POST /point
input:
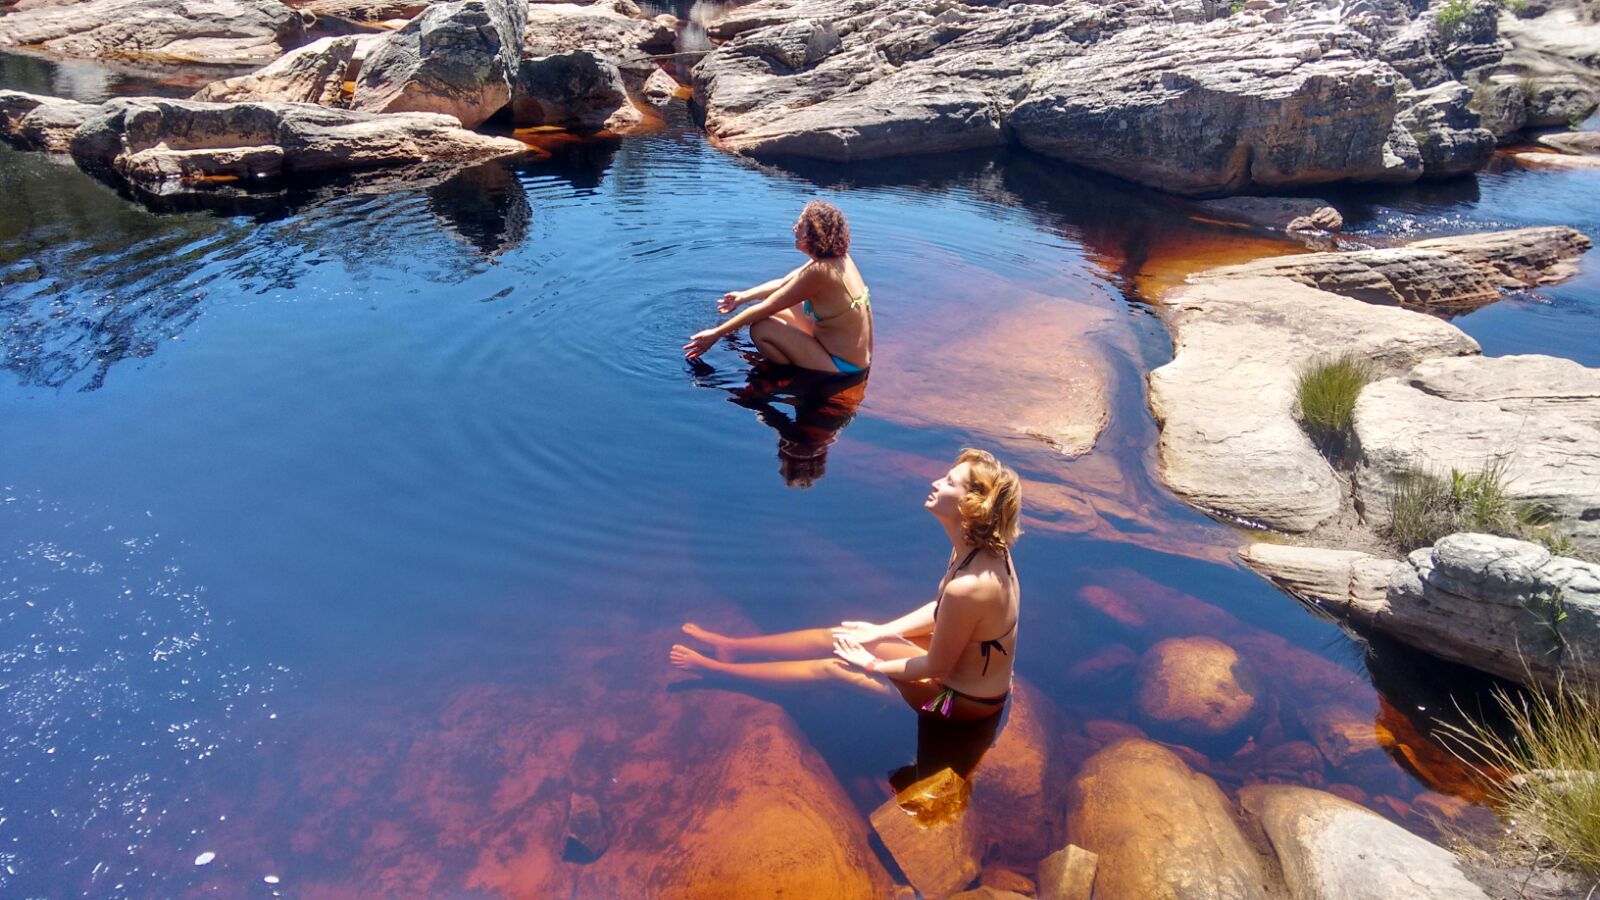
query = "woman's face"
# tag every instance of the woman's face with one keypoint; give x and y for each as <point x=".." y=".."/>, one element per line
<point x="799" y="242"/>
<point x="944" y="501"/>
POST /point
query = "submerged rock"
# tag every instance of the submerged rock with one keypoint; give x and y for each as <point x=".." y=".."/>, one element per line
<point x="1160" y="830"/>
<point x="458" y="58"/>
<point x="1196" y="687"/>
<point x="1018" y="788"/>
<point x="931" y="834"/>
<point x="1279" y="213"/>
<point x="1068" y="874"/>
<point x="216" y="32"/>
<point x="148" y="139"/>
<point x="1332" y="849"/>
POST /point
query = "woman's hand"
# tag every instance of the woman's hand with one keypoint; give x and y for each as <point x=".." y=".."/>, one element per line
<point x="699" y="343"/>
<point x="860" y="632"/>
<point x="852" y="652"/>
<point x="730" y="302"/>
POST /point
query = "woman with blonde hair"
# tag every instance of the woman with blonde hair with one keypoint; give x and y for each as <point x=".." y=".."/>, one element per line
<point x="950" y="658"/>
<point x="832" y="332"/>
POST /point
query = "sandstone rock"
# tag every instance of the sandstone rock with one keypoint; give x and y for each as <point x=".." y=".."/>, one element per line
<point x="217" y="32"/>
<point x="1556" y="161"/>
<point x="361" y="10"/>
<point x="1459" y="272"/>
<point x="1246" y="337"/>
<point x="1067" y="874"/>
<point x="148" y="137"/>
<point x="988" y="893"/>
<point x="1554" y="102"/>
<point x="1104" y="665"/>
<point x="1159" y="829"/>
<point x="660" y="87"/>
<point x="1017" y="790"/>
<point x="1004" y="880"/>
<point x="315" y="73"/>
<point x="1325" y="219"/>
<point x="1446" y="132"/>
<point x="1536" y="416"/>
<point x="37" y="122"/>
<point x="1331" y="849"/>
<point x="928" y="831"/>
<point x="556" y="28"/>
<point x="572" y="90"/>
<point x="1341" y="731"/>
<point x="1349" y="583"/>
<point x="458" y="58"/>
<point x="1502" y="107"/>
<point x="587" y="837"/>
<point x="1196" y="686"/>
<point x="1276" y="212"/>
<point x="1577" y="142"/>
<point x="1491" y="602"/>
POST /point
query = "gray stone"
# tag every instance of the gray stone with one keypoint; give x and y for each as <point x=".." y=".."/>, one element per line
<point x="38" y="122"/>
<point x="193" y="31"/>
<point x="458" y="58"/>
<point x="574" y="90"/>
<point x="1272" y="212"/>
<point x="315" y="73"/>
<point x="1577" y="142"/>
<point x="1067" y="874"/>
<point x="1332" y="849"/>
<point x="1348" y="583"/>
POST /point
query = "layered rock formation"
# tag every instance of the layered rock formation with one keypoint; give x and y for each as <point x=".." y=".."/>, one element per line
<point x="1246" y="331"/>
<point x="37" y="122"/>
<point x="1504" y="606"/>
<point x="456" y="58"/>
<point x="151" y="140"/>
<point x="194" y="31"/>
<point x="1152" y="92"/>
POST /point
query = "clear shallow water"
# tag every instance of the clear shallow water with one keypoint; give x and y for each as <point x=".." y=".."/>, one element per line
<point x="306" y="496"/>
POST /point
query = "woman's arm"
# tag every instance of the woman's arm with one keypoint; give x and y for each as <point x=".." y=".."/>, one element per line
<point x="959" y="617"/>
<point x="764" y="290"/>
<point x="790" y="293"/>
<point x="913" y="624"/>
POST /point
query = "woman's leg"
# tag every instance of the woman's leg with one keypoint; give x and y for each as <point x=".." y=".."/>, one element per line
<point x="802" y="671"/>
<point x="805" y="644"/>
<point x="789" y="345"/>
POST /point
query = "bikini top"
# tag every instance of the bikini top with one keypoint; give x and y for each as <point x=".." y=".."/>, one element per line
<point x="862" y="302"/>
<point x="993" y="643"/>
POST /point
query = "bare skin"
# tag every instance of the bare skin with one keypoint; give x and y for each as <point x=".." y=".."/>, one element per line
<point x="783" y="334"/>
<point x="917" y="655"/>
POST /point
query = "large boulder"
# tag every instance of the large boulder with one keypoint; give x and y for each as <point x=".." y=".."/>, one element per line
<point x="1161" y="831"/>
<point x="1537" y="418"/>
<point x="1018" y="787"/>
<point x="315" y="73"/>
<point x="458" y="58"/>
<point x="218" y="32"/>
<point x="1332" y="849"/>
<point x="615" y="31"/>
<point x="1225" y="403"/>
<point x="1196" y="687"/>
<point x="580" y="89"/>
<point x="932" y="834"/>
<point x="155" y="139"/>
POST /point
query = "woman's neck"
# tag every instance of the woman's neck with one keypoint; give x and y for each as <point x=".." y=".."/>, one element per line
<point x="959" y="544"/>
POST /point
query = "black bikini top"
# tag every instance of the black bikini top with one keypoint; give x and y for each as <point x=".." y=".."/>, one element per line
<point x="993" y="643"/>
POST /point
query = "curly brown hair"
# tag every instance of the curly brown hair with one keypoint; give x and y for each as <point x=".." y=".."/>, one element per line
<point x="822" y="231"/>
<point x="993" y="502"/>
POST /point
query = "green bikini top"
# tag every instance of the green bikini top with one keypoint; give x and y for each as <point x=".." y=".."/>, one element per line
<point x="862" y="302"/>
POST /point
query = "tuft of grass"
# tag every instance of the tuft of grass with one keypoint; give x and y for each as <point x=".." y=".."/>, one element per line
<point x="1450" y="16"/>
<point x="1425" y="506"/>
<point x="1530" y="88"/>
<point x="1544" y="769"/>
<point x="1325" y="396"/>
<point x="1518" y="8"/>
<point x="1575" y="121"/>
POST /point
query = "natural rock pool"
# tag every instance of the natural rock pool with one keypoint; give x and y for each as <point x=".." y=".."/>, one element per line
<point x="343" y="533"/>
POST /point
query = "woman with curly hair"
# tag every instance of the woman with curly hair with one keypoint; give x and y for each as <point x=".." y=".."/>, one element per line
<point x="832" y="332"/>
<point x="951" y="658"/>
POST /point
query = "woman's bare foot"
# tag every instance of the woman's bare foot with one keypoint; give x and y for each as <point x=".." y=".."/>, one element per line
<point x="684" y="658"/>
<point x="721" y="645"/>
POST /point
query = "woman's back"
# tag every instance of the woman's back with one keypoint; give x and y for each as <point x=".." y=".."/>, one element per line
<point x="841" y="314"/>
<point x="985" y="665"/>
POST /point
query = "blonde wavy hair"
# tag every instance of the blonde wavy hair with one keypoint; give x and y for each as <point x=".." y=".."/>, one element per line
<point x="991" y="508"/>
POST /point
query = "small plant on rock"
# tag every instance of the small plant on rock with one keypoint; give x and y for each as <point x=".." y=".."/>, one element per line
<point x="1545" y="769"/>
<point x="1450" y="16"/>
<point x="1425" y="506"/>
<point x="1325" y="397"/>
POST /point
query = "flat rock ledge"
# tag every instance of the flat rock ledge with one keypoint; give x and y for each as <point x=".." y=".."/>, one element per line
<point x="1179" y="96"/>
<point x="159" y="144"/>
<point x="1230" y="443"/>
<point x="214" y="32"/>
<point x="1504" y="606"/>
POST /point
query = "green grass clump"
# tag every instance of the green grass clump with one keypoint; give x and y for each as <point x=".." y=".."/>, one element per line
<point x="1326" y="395"/>
<point x="1450" y="16"/>
<point x="1545" y="770"/>
<point x="1425" y="506"/>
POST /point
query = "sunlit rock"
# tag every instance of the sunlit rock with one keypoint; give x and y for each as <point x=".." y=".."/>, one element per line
<point x="459" y="58"/>
<point x="931" y="834"/>
<point x="1576" y="142"/>
<point x="215" y="32"/>
<point x="1348" y="582"/>
<point x="1004" y="880"/>
<point x="37" y="122"/>
<point x="1068" y="874"/>
<point x="1159" y="829"/>
<point x="315" y="73"/>
<point x="1196" y="686"/>
<point x="362" y="10"/>
<point x="1331" y="849"/>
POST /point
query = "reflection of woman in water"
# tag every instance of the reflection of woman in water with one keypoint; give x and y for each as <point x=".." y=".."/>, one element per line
<point x="950" y="658"/>
<point x="832" y="331"/>
<point x="823" y="405"/>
